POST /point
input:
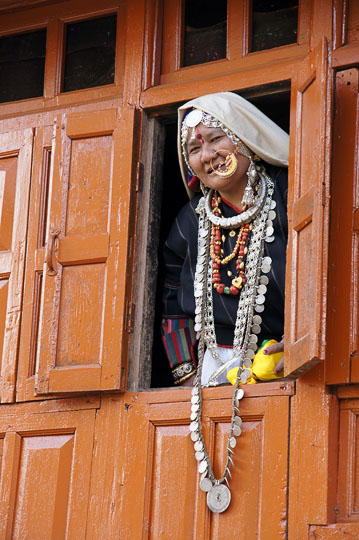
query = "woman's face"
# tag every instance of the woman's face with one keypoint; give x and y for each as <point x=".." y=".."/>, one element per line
<point x="207" y="148"/>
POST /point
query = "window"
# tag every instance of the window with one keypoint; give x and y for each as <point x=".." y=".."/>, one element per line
<point x="167" y="199"/>
<point x="274" y="23"/>
<point x="22" y="66"/>
<point x="90" y="53"/>
<point x="205" y="33"/>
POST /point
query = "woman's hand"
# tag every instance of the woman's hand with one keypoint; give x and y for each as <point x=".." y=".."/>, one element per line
<point x="276" y="348"/>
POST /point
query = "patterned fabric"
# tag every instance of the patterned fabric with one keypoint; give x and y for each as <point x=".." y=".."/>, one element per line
<point x="178" y="338"/>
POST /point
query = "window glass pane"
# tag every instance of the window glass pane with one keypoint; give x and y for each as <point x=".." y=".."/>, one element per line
<point x="205" y="35"/>
<point x="274" y="23"/>
<point x="90" y="53"/>
<point x="22" y="66"/>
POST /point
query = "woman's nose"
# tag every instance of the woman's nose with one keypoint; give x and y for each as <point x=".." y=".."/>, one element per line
<point x="207" y="152"/>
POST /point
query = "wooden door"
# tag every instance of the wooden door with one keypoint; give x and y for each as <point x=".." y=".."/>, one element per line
<point x="161" y="479"/>
<point x="308" y="209"/>
<point x="15" y="173"/>
<point x="45" y="469"/>
<point x="82" y="338"/>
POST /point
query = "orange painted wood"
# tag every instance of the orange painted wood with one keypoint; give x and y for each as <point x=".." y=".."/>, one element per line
<point x="313" y="455"/>
<point x="152" y="43"/>
<point x="225" y="67"/>
<point x="238" y="30"/>
<point x="83" y="304"/>
<point x="107" y="472"/>
<point x="161" y="478"/>
<point x="308" y="216"/>
<point x="339" y="23"/>
<point x="172" y="36"/>
<point x="45" y="474"/>
<point x="9" y="480"/>
<point x="77" y="249"/>
<point x="221" y="80"/>
<point x="338" y="531"/>
<point x="348" y="467"/>
<point x="34" y="263"/>
<point x="343" y="305"/>
<point x="53" y="16"/>
<point x="15" y="171"/>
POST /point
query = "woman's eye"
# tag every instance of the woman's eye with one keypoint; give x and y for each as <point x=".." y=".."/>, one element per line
<point x="217" y="138"/>
<point x="193" y="150"/>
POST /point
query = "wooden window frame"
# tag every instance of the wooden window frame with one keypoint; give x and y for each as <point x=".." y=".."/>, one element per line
<point x="147" y="235"/>
<point x="54" y="18"/>
<point x="170" y="30"/>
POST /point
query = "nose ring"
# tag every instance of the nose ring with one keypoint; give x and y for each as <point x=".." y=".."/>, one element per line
<point x="227" y="167"/>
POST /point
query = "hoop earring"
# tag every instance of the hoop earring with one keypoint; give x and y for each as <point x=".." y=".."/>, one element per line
<point x="230" y="165"/>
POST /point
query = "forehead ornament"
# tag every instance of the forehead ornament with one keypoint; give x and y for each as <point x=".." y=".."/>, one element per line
<point x="193" y="118"/>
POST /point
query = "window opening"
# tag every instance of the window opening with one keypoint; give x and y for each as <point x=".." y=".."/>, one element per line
<point x="205" y="33"/>
<point x="90" y="53"/>
<point x="22" y="66"/>
<point x="274" y="101"/>
<point x="274" y="23"/>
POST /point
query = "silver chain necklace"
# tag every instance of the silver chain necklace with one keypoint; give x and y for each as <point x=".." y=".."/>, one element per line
<point x="247" y="327"/>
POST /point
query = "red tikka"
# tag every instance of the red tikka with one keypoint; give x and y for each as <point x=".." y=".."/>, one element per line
<point x="216" y="252"/>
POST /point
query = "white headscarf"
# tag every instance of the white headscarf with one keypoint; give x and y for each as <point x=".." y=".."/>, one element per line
<point x="254" y="128"/>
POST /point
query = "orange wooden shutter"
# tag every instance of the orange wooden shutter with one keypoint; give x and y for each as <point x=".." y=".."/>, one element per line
<point x="36" y="237"/>
<point x="82" y="344"/>
<point x="15" y="172"/>
<point x="308" y="216"/>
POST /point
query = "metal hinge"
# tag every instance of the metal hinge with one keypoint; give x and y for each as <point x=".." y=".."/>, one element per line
<point x="130" y="316"/>
<point x="139" y="176"/>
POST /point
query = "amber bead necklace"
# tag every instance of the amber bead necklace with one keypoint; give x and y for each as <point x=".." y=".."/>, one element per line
<point x="240" y="250"/>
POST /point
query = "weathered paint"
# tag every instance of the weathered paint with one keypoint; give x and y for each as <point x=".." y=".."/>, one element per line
<point x="120" y="465"/>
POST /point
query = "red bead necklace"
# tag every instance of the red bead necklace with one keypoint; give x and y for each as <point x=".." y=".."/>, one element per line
<point x="216" y="251"/>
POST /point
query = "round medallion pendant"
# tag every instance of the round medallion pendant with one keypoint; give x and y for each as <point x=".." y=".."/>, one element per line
<point x="218" y="498"/>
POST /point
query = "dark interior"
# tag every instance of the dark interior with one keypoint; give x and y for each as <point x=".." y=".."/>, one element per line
<point x="274" y="101"/>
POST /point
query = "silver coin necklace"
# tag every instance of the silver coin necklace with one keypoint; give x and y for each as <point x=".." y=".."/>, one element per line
<point x="247" y="327"/>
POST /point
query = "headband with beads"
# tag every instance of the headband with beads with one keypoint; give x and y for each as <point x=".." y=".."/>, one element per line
<point x="195" y="117"/>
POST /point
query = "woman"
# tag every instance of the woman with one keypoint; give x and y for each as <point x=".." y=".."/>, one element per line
<point x="210" y="129"/>
<point x="225" y="258"/>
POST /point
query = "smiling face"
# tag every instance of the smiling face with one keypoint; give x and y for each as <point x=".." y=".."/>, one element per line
<point x="207" y="148"/>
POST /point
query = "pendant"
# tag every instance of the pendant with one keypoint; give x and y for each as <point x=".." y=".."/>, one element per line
<point x="218" y="498"/>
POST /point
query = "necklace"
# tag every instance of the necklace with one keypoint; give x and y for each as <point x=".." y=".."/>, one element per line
<point x="215" y="250"/>
<point x="247" y="327"/>
<point x="240" y="219"/>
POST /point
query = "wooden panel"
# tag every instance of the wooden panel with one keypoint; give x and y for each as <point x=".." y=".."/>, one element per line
<point x="338" y="531"/>
<point x="313" y="455"/>
<point x="15" y="171"/>
<point x="89" y="225"/>
<point x="36" y="238"/>
<point x="352" y="21"/>
<point x="343" y="304"/>
<point x="308" y="216"/>
<point x="238" y="28"/>
<point x="160" y="460"/>
<point x="348" y="467"/>
<point x="106" y="497"/>
<point x="45" y="475"/>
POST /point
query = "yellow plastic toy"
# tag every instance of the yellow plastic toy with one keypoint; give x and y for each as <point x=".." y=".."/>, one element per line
<point x="262" y="367"/>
